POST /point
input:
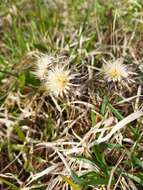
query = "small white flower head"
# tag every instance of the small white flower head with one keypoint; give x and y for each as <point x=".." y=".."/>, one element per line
<point x="58" y="81"/>
<point x="116" y="72"/>
<point x="42" y="65"/>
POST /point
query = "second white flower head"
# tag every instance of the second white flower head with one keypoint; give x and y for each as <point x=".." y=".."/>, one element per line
<point x="116" y="71"/>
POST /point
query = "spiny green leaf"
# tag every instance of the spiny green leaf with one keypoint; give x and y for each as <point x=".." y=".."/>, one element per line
<point x="91" y="178"/>
<point x="93" y="118"/>
<point x="99" y="159"/>
<point x="71" y="183"/>
<point x="9" y="184"/>
<point x="104" y="105"/>
<point x="20" y="133"/>
<point x="115" y="112"/>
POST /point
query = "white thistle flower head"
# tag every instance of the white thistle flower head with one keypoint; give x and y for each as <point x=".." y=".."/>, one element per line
<point x="58" y="81"/>
<point x="116" y="71"/>
<point x="42" y="65"/>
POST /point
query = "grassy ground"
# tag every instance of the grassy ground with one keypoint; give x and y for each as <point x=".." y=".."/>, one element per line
<point x="92" y="139"/>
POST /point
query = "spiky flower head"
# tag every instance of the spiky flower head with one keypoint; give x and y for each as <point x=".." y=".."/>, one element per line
<point x="58" y="81"/>
<point x="42" y="65"/>
<point x="116" y="71"/>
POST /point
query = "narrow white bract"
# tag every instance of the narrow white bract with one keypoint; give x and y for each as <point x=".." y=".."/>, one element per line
<point x="42" y="66"/>
<point x="58" y="81"/>
<point x="116" y="71"/>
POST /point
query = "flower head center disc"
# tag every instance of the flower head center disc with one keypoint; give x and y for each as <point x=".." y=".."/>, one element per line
<point x="62" y="81"/>
<point x="114" y="73"/>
